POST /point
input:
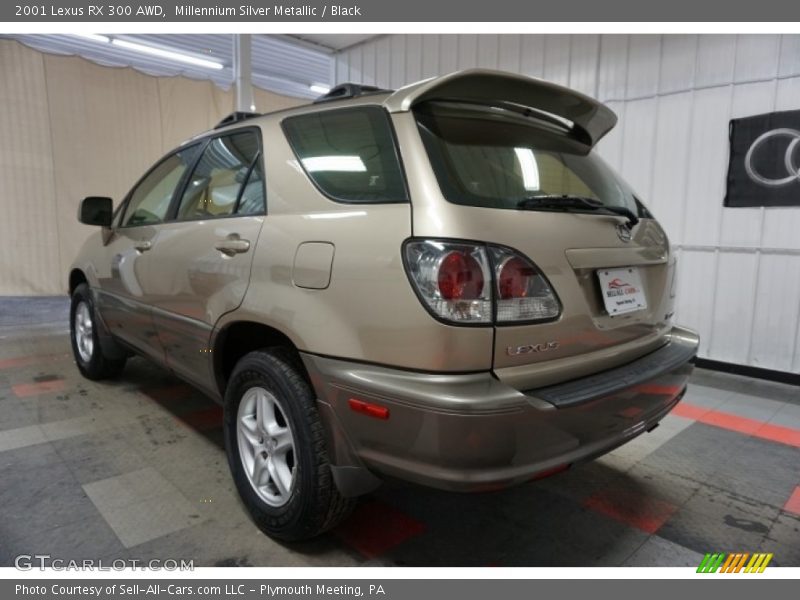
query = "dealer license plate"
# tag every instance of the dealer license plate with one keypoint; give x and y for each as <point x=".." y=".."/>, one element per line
<point x="622" y="290"/>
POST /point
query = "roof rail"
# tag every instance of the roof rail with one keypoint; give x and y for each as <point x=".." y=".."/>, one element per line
<point x="344" y="91"/>
<point x="236" y="117"/>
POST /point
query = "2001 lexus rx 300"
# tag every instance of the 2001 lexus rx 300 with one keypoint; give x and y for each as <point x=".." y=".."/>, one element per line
<point x="443" y="284"/>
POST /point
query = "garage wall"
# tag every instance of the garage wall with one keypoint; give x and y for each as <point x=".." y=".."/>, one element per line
<point x="739" y="268"/>
<point x="71" y="128"/>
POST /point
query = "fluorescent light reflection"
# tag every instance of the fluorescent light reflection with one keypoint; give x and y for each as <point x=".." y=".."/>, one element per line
<point x="340" y="164"/>
<point x="168" y="54"/>
<point x="530" y="170"/>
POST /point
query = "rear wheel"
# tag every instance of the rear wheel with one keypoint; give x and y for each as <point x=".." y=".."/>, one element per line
<point x="92" y="362"/>
<point x="276" y="448"/>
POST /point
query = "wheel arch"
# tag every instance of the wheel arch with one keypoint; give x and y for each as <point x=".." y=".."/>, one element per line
<point x="237" y="338"/>
<point x="76" y="277"/>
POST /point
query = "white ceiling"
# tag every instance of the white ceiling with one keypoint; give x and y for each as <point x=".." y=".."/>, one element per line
<point x="282" y="64"/>
<point x="334" y="41"/>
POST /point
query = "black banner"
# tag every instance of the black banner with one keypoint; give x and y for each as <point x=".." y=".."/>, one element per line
<point x="764" y="167"/>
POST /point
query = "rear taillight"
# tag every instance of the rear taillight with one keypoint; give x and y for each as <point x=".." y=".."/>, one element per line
<point x="523" y="293"/>
<point x="477" y="284"/>
<point x="453" y="279"/>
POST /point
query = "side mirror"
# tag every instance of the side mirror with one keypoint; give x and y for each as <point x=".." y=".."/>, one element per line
<point x="96" y="210"/>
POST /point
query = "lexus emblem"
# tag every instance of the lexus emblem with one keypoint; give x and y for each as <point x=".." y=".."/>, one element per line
<point x="792" y="170"/>
<point x="624" y="233"/>
<point x="532" y="348"/>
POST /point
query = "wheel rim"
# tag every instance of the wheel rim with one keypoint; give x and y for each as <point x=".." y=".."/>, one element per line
<point x="266" y="446"/>
<point x="84" y="332"/>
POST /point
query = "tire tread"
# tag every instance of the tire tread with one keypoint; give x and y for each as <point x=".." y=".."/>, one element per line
<point x="327" y="507"/>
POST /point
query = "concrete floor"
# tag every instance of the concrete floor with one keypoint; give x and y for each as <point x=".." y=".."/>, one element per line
<point x="135" y="468"/>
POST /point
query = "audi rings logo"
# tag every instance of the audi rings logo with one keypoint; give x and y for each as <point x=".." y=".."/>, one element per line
<point x="790" y="163"/>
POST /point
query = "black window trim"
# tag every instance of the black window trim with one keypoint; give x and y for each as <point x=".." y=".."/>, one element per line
<point x="176" y="200"/>
<point x="126" y="201"/>
<point x="246" y="182"/>
<point x="395" y="147"/>
<point x="201" y="143"/>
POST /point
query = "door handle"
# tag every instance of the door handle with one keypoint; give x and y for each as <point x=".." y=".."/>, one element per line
<point x="230" y="247"/>
<point x="143" y="246"/>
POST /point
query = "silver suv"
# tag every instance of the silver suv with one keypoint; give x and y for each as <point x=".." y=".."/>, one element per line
<point x="443" y="284"/>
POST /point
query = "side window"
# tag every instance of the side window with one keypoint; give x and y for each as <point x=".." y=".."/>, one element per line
<point x="150" y="201"/>
<point x="350" y="154"/>
<point x="226" y="181"/>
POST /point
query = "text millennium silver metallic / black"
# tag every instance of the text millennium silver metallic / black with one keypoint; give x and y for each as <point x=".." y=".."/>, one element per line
<point x="276" y="10"/>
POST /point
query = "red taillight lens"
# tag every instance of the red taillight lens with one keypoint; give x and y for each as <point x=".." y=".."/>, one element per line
<point x="453" y="279"/>
<point x="476" y="283"/>
<point x="460" y="277"/>
<point x="522" y="292"/>
<point x="514" y="279"/>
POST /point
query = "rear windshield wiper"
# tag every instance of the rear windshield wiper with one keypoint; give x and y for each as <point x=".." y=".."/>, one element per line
<point x="557" y="202"/>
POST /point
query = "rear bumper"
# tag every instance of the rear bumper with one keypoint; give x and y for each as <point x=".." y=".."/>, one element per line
<point x="471" y="432"/>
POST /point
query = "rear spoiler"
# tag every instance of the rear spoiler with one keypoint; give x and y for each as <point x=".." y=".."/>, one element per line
<point x="590" y="119"/>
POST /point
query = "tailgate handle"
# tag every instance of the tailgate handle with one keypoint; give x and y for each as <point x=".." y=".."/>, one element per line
<point x="232" y="246"/>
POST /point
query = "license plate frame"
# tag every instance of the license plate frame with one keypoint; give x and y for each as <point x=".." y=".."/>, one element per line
<point x="622" y="290"/>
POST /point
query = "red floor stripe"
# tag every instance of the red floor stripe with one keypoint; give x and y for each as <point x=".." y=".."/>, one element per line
<point x="689" y="411"/>
<point x="19" y="361"/>
<point x="634" y="509"/>
<point x="24" y="390"/>
<point x="793" y="503"/>
<point x="375" y="528"/>
<point x="779" y="433"/>
<point x="25" y="361"/>
<point x="753" y="427"/>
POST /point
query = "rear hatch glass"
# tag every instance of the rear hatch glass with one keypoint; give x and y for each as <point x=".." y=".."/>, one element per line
<point x="493" y="158"/>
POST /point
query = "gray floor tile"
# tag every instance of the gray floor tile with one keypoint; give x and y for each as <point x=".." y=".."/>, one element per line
<point x="638" y="448"/>
<point x="751" y="468"/>
<point x="87" y="539"/>
<point x="15" y="414"/>
<point x="715" y="521"/>
<point x="745" y="385"/>
<point x="11" y="439"/>
<point x="39" y="493"/>
<point x="656" y="483"/>
<point x="658" y="552"/>
<point x="785" y="530"/>
<point x="785" y="555"/>
<point x="127" y="489"/>
<point x="100" y="455"/>
<point x="787" y="416"/>
<point x="751" y="407"/>
<point x="149" y="519"/>
<point x="705" y="396"/>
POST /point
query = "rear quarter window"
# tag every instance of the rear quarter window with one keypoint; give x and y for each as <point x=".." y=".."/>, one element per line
<point x="350" y="154"/>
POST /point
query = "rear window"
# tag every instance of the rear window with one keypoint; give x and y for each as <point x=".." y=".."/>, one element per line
<point x="350" y="154"/>
<point x="487" y="159"/>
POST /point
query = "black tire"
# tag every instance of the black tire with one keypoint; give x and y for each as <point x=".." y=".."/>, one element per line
<point x="96" y="365"/>
<point x="314" y="504"/>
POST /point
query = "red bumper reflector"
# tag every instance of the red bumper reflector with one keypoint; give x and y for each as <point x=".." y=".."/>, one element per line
<point x="366" y="408"/>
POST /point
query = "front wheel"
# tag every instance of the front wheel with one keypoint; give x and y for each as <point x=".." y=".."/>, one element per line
<point x="276" y="449"/>
<point x="84" y="335"/>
